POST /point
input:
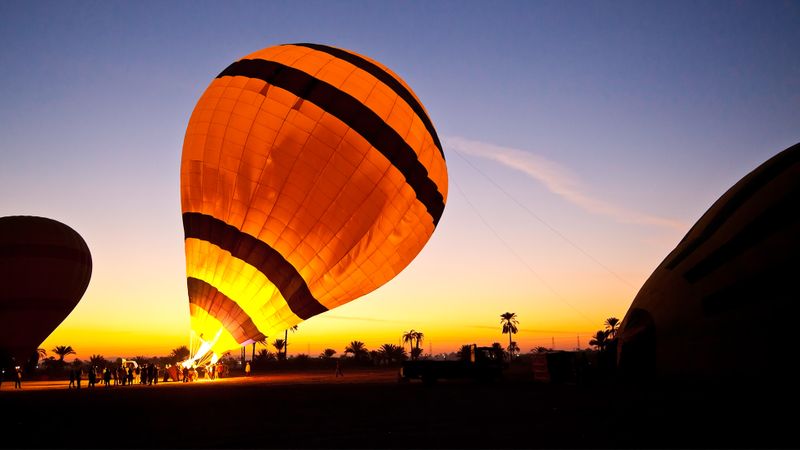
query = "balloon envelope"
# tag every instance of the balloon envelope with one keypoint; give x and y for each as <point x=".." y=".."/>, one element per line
<point x="310" y="176"/>
<point x="45" y="267"/>
<point x="724" y="303"/>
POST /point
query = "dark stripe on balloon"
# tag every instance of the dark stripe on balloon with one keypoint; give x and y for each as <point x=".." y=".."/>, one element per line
<point x="222" y="308"/>
<point x="258" y="254"/>
<point x="45" y="251"/>
<point x="353" y="113"/>
<point x="777" y="218"/>
<point x="749" y="186"/>
<point x="385" y="78"/>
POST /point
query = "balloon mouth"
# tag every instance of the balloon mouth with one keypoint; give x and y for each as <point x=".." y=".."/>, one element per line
<point x="204" y="353"/>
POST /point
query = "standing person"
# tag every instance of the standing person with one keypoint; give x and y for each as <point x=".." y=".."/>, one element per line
<point x="338" y="369"/>
<point x="18" y="379"/>
<point x="107" y="377"/>
<point x="71" y="378"/>
<point x="92" y="376"/>
<point x="247" y="369"/>
<point x="78" y="375"/>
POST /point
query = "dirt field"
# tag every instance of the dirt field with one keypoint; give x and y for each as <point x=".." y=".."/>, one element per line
<point x="369" y="409"/>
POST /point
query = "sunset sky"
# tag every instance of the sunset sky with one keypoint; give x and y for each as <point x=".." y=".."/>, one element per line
<point x="582" y="139"/>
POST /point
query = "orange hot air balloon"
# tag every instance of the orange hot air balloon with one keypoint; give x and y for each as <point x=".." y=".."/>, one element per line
<point x="310" y="176"/>
<point x="45" y="267"/>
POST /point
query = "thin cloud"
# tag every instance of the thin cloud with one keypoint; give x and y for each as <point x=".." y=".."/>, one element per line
<point x="559" y="180"/>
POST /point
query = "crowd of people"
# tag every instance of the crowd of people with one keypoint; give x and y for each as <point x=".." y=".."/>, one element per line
<point x="128" y="374"/>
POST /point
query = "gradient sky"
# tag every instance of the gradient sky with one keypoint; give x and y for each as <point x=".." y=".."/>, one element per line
<point x="583" y="139"/>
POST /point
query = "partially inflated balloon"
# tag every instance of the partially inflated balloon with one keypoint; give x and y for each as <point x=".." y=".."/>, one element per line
<point x="310" y="176"/>
<point x="723" y="305"/>
<point x="45" y="268"/>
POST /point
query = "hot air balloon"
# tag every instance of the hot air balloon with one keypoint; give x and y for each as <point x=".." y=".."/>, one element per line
<point x="310" y="176"/>
<point x="45" y="267"/>
<point x="724" y="303"/>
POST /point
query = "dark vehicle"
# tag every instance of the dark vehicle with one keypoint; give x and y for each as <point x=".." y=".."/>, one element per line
<point x="480" y="364"/>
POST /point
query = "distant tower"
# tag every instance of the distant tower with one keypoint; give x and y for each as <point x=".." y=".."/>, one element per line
<point x="553" y="342"/>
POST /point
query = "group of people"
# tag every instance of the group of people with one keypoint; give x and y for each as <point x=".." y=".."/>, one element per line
<point x="122" y="375"/>
<point x="208" y="371"/>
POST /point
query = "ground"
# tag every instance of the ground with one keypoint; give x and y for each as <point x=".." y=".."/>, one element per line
<point x="370" y="409"/>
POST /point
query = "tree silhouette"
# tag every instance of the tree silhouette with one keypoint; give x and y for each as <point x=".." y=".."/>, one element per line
<point x="179" y="354"/>
<point x="358" y="349"/>
<point x="392" y="353"/>
<point x="279" y="344"/>
<point x="286" y="340"/>
<point x="419" y="336"/>
<point x="62" y="351"/>
<point x="408" y="338"/>
<point x="509" y="322"/>
<point x="599" y="339"/>
<point x="327" y="353"/>
<point x="497" y="349"/>
<point x="97" y="361"/>
<point x="611" y="326"/>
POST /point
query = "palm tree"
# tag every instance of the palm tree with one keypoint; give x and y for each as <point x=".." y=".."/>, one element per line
<point x="419" y="336"/>
<point x="279" y="344"/>
<point x="391" y="353"/>
<point x="179" y="354"/>
<point x="286" y="340"/>
<point x="41" y="353"/>
<point x="62" y="351"/>
<point x="408" y="338"/>
<point x="497" y="350"/>
<point x="611" y="325"/>
<point x="97" y="361"/>
<point x="416" y="353"/>
<point x="358" y="349"/>
<point x="264" y="355"/>
<point x="509" y="322"/>
<point x="599" y="340"/>
<point x="262" y="342"/>
<point x="327" y="353"/>
<point x="513" y="349"/>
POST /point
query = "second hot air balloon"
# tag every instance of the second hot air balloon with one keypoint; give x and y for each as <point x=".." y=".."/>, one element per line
<point x="45" y="268"/>
<point x="310" y="176"/>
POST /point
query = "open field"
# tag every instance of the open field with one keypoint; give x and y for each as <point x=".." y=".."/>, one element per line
<point x="369" y="409"/>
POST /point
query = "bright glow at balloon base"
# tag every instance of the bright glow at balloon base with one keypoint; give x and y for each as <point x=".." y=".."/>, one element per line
<point x="204" y="354"/>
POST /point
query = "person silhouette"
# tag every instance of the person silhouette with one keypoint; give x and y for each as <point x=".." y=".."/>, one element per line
<point x="338" y="369"/>
<point x="247" y="369"/>
<point x="18" y="379"/>
<point x="71" y="378"/>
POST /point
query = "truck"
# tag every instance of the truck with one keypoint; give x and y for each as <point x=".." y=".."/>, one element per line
<point x="479" y="364"/>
